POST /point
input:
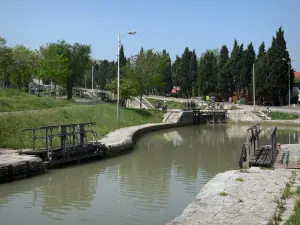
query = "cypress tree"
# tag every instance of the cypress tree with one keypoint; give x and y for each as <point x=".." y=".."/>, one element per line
<point x="167" y="72"/>
<point x="185" y="70"/>
<point x="223" y="76"/>
<point x="277" y="80"/>
<point x="193" y="75"/>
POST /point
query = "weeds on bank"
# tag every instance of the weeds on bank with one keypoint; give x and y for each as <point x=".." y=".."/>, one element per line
<point x="223" y="193"/>
<point x="239" y="179"/>
<point x="287" y="193"/>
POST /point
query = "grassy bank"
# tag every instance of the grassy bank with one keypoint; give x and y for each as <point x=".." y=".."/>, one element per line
<point x="282" y="115"/>
<point x="14" y="100"/>
<point x="170" y="104"/>
<point x="11" y="124"/>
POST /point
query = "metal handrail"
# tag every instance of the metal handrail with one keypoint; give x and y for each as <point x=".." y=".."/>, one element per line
<point x="68" y="133"/>
<point x="274" y="145"/>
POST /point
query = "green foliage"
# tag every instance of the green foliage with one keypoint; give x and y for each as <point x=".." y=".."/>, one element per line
<point x="54" y="66"/>
<point x="145" y="71"/>
<point x="6" y="63"/>
<point x="11" y="124"/>
<point x="79" y="60"/>
<point x="23" y="62"/>
<point x="127" y="88"/>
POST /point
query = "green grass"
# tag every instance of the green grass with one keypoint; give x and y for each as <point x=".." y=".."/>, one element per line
<point x="295" y="218"/>
<point x="11" y="124"/>
<point x="14" y="100"/>
<point x="170" y="104"/>
<point x="282" y="115"/>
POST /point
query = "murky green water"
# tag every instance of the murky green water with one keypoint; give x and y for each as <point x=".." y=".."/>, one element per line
<point x="150" y="185"/>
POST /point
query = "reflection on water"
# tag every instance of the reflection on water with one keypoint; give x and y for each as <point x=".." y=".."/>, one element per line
<point x="150" y="185"/>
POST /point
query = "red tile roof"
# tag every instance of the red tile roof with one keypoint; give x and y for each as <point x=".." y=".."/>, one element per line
<point x="297" y="74"/>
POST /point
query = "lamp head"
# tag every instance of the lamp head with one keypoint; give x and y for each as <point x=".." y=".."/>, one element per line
<point x="284" y="59"/>
<point x="133" y="32"/>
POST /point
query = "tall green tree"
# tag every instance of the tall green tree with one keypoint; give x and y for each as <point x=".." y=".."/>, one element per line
<point x="261" y="72"/>
<point x="167" y="75"/>
<point x="7" y="63"/>
<point x="236" y="65"/>
<point x="22" y="74"/>
<point x="185" y="73"/>
<point x="145" y="72"/>
<point x="277" y="80"/>
<point x="248" y="60"/>
<point x="208" y="72"/>
<point x="123" y="59"/>
<point x="176" y="71"/>
<point x="54" y="65"/>
<point x="223" y="77"/>
<point x="79" y="59"/>
<point x="193" y="74"/>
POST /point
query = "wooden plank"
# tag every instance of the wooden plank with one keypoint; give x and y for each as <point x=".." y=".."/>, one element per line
<point x="262" y="157"/>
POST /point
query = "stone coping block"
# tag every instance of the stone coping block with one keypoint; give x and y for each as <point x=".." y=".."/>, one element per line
<point x="123" y="139"/>
<point x="14" y="166"/>
<point x="236" y="197"/>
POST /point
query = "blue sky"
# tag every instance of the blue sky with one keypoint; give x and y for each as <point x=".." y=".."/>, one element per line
<point x="172" y="25"/>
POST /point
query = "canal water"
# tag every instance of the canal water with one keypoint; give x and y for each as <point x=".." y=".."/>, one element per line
<point x="150" y="185"/>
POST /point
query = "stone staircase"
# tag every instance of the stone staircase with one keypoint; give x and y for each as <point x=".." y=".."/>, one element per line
<point x="172" y="117"/>
<point x="260" y="114"/>
<point x="145" y="103"/>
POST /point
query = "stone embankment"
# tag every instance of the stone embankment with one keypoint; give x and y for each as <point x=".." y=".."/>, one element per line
<point x="241" y="197"/>
<point x="14" y="166"/>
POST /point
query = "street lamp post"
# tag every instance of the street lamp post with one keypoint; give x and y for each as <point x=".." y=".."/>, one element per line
<point x="253" y="88"/>
<point x="289" y="76"/>
<point x="92" y="78"/>
<point x="118" y="85"/>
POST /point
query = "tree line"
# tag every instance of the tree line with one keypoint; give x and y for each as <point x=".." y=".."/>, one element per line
<point x="216" y="71"/>
<point x="151" y="72"/>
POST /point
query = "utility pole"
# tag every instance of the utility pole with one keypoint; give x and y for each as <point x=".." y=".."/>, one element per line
<point x="253" y="88"/>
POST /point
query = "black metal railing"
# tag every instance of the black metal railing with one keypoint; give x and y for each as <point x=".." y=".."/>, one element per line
<point x="274" y="145"/>
<point x="249" y="146"/>
<point x="70" y="136"/>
